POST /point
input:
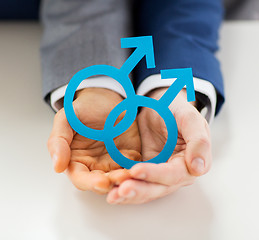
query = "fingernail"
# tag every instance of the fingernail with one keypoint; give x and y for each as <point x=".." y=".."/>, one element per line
<point x="131" y="194"/>
<point x="198" y="165"/>
<point x="54" y="159"/>
<point x="142" y="176"/>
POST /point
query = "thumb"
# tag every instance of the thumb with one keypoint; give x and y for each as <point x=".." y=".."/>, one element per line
<point x="195" y="131"/>
<point x="59" y="142"/>
<point x="198" y="157"/>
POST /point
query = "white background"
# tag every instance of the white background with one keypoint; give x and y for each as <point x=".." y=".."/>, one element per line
<point x="36" y="203"/>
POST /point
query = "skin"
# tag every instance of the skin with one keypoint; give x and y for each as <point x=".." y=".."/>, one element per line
<point x="88" y="165"/>
<point x="86" y="161"/>
<point x="153" y="181"/>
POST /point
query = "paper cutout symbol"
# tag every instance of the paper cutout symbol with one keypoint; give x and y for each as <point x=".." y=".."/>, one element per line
<point x="144" y="48"/>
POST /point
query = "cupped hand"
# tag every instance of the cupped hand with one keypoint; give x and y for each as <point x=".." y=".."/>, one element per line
<point x="86" y="161"/>
<point x="191" y="157"/>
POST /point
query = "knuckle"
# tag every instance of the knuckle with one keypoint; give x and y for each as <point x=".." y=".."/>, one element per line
<point x="59" y="114"/>
<point x="204" y="141"/>
<point x="185" y="117"/>
<point x="52" y="142"/>
<point x="193" y="113"/>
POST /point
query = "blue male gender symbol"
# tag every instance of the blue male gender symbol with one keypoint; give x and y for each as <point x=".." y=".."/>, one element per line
<point x="144" y="47"/>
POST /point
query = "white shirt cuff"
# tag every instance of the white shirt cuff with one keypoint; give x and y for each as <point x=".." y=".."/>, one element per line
<point x="100" y="82"/>
<point x="150" y="83"/>
<point x="154" y="81"/>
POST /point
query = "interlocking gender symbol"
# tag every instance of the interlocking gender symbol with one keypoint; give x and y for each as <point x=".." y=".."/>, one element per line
<point x="144" y="47"/>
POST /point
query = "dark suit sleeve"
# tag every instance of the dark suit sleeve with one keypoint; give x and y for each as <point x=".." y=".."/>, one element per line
<point x="185" y="34"/>
<point x="19" y="10"/>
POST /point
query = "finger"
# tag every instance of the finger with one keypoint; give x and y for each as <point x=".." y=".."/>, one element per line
<point x="171" y="173"/>
<point x="113" y="196"/>
<point x="137" y="192"/>
<point x="59" y="142"/>
<point x="118" y="176"/>
<point x="84" y="180"/>
<point x="195" y="131"/>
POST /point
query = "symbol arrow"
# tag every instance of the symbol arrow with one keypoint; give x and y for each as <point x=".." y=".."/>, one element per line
<point x="144" y="47"/>
<point x="184" y="78"/>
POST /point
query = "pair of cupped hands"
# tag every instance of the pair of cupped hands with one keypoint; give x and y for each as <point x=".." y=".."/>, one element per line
<point x="89" y="166"/>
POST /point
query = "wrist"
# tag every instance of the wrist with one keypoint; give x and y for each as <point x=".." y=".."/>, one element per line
<point x="99" y="91"/>
<point x="159" y="92"/>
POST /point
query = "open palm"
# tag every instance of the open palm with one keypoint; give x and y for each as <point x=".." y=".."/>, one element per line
<point x="191" y="156"/>
<point x="89" y="165"/>
<point x="154" y="136"/>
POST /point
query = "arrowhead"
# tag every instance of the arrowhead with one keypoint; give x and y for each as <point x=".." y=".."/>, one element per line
<point x="184" y="78"/>
<point x="144" y="46"/>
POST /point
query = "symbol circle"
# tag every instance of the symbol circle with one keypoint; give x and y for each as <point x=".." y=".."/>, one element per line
<point x="83" y="74"/>
<point x="163" y="111"/>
